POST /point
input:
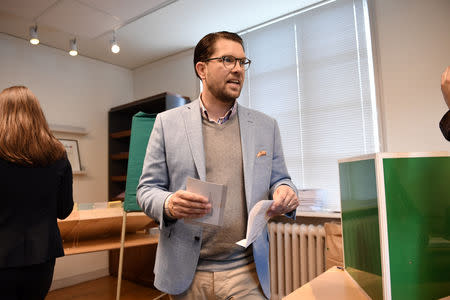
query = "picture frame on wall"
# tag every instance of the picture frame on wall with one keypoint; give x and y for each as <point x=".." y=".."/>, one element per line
<point x="73" y="153"/>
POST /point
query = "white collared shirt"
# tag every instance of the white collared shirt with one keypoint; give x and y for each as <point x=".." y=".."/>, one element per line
<point x="231" y="112"/>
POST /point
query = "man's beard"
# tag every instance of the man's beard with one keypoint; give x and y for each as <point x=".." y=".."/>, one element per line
<point x="222" y="95"/>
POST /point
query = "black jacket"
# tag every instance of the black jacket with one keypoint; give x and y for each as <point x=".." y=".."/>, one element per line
<point x="31" y="199"/>
<point x="445" y="125"/>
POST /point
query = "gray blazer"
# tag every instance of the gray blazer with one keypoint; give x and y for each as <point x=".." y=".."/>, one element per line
<point x="175" y="151"/>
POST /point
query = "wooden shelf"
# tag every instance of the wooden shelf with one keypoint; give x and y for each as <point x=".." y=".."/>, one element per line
<point x="119" y="156"/>
<point x="82" y="172"/>
<point x="99" y="229"/>
<point x="109" y="243"/>
<point x="121" y="134"/>
<point x="117" y="199"/>
<point x="119" y="178"/>
<point x="119" y="138"/>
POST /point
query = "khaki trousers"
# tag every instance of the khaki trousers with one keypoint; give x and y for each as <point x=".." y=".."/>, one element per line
<point x="241" y="283"/>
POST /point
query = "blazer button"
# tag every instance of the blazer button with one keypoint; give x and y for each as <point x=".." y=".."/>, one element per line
<point x="197" y="238"/>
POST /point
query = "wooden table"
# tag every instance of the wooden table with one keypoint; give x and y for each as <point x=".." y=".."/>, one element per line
<point x="334" y="284"/>
<point x="99" y="229"/>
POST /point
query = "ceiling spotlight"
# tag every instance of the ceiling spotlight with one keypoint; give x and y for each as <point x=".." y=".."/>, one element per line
<point x="114" y="45"/>
<point x="73" y="47"/>
<point x="33" y="35"/>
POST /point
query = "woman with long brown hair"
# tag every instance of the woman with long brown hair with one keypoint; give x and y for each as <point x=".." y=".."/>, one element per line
<point x="35" y="190"/>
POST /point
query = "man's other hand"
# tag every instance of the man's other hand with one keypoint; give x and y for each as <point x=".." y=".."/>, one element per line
<point x="284" y="200"/>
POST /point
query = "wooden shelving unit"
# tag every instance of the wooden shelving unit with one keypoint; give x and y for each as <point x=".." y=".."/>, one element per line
<point x="120" y="134"/>
<point x="120" y="178"/>
<point x="119" y="119"/>
<point x="140" y="255"/>
<point x="121" y="155"/>
<point x="109" y="243"/>
<point x="94" y="230"/>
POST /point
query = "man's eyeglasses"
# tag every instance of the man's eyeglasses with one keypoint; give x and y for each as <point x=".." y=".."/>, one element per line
<point x="229" y="62"/>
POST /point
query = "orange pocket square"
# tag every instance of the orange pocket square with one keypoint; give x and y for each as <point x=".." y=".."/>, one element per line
<point x="261" y="153"/>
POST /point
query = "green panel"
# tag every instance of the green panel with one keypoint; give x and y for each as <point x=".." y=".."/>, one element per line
<point x="141" y="127"/>
<point x="418" y="218"/>
<point x="360" y="225"/>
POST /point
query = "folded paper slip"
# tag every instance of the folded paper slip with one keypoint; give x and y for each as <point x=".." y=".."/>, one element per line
<point x="216" y="194"/>
<point x="257" y="221"/>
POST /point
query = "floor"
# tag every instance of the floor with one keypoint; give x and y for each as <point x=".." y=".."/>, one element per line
<point x="105" y="289"/>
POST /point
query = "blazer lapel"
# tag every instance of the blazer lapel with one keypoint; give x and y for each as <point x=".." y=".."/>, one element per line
<point x="193" y="124"/>
<point x="247" y="128"/>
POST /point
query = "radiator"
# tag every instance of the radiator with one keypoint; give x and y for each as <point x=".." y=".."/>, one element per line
<point x="297" y="255"/>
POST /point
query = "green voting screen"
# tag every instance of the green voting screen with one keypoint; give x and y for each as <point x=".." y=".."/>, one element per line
<point x="141" y="127"/>
<point x="360" y="225"/>
<point x="418" y="222"/>
<point x="415" y="202"/>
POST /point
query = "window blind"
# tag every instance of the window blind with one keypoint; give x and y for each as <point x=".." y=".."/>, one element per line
<point x="313" y="73"/>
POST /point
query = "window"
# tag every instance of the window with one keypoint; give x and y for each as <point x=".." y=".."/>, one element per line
<point x="313" y="73"/>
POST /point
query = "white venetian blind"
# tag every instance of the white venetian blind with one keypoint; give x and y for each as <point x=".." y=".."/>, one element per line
<point x="312" y="72"/>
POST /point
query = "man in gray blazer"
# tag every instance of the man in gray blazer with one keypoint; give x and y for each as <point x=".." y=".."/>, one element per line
<point x="217" y="140"/>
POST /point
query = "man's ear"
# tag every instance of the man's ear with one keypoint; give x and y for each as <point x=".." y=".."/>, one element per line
<point x="201" y="69"/>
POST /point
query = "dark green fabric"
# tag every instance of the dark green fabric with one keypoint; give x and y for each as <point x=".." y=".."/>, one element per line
<point x="418" y="218"/>
<point x="141" y="127"/>
<point x="360" y="227"/>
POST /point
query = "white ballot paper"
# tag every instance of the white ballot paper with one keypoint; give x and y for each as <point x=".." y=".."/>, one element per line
<point x="216" y="194"/>
<point x="257" y="220"/>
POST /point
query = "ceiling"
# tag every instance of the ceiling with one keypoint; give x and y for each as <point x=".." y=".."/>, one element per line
<point x="147" y="30"/>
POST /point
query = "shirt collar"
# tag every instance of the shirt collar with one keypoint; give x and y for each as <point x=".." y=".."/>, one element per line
<point x="230" y="113"/>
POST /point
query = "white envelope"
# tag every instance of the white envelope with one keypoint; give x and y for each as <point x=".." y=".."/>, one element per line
<point x="216" y="194"/>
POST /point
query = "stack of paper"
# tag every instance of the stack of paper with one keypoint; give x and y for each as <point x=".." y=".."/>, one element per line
<point x="312" y="199"/>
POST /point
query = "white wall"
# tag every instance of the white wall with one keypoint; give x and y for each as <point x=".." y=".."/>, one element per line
<point x="413" y="45"/>
<point x="75" y="91"/>
<point x="172" y="74"/>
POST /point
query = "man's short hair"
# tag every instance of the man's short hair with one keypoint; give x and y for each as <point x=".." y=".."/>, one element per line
<point x="205" y="47"/>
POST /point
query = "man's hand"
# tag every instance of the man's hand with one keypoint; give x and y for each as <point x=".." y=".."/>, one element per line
<point x="284" y="200"/>
<point x="187" y="205"/>
<point x="445" y="86"/>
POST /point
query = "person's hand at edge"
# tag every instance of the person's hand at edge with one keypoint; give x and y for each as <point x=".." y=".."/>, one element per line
<point x="445" y="86"/>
